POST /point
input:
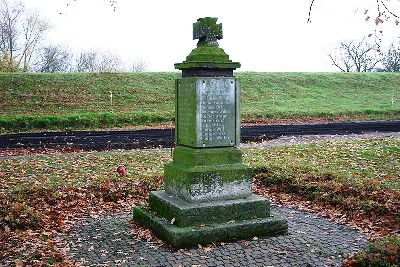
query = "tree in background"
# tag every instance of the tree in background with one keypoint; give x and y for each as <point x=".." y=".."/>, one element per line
<point x="366" y="55"/>
<point x="87" y="62"/>
<point x="98" y="61"/>
<point x="139" y="66"/>
<point x="54" y="58"/>
<point x="33" y="29"/>
<point x="7" y="64"/>
<point x="391" y="59"/>
<point x="20" y="34"/>
<point x="356" y="56"/>
<point x="109" y="62"/>
<point x="10" y="15"/>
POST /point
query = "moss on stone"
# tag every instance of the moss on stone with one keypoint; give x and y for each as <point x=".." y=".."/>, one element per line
<point x="206" y="183"/>
<point x="186" y="237"/>
<point x="210" y="156"/>
<point x="208" y="54"/>
<point x="191" y="214"/>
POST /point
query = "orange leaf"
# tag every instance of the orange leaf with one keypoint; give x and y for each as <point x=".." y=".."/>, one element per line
<point x="19" y="263"/>
<point x="351" y="262"/>
<point x="378" y="20"/>
<point x="18" y="207"/>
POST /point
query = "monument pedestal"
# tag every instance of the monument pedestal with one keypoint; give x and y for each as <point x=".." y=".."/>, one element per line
<point x="206" y="174"/>
<point x="207" y="198"/>
<point x="208" y="190"/>
<point x="208" y="222"/>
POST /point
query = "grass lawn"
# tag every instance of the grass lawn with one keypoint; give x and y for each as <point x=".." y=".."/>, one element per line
<point x="39" y="101"/>
<point x="39" y="194"/>
<point x="361" y="178"/>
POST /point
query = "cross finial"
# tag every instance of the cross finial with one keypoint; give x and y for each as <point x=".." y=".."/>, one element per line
<point x="207" y="31"/>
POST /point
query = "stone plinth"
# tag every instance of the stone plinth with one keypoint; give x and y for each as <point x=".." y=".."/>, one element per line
<point x="208" y="190"/>
<point x="191" y="236"/>
<point x="207" y="174"/>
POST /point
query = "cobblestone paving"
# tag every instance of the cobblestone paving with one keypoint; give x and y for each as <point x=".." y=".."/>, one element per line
<point x="312" y="241"/>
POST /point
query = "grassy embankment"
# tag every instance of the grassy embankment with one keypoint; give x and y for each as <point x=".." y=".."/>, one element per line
<point x="357" y="180"/>
<point x="75" y="101"/>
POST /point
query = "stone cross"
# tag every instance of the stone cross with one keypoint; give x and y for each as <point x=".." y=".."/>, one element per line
<point x="207" y="31"/>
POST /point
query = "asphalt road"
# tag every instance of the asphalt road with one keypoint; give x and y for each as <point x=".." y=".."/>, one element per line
<point x="101" y="140"/>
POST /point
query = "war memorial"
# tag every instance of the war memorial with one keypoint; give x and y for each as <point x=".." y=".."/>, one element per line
<point x="207" y="195"/>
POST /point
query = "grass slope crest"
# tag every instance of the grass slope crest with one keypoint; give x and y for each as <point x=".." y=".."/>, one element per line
<point x="78" y="101"/>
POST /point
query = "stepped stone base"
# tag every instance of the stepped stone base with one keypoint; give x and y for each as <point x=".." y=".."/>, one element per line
<point x="211" y="174"/>
<point x="208" y="222"/>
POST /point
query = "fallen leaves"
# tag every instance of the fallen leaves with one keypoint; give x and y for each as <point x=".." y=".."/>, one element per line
<point x="139" y="233"/>
<point x="19" y="263"/>
<point x="382" y="252"/>
<point x="350" y="182"/>
<point x="207" y="249"/>
<point x="44" y="194"/>
<point x="353" y="183"/>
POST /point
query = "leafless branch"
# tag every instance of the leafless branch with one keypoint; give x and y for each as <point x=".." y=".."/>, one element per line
<point x="381" y="6"/>
<point x="358" y="56"/>
<point x="309" y="12"/>
<point x="387" y="9"/>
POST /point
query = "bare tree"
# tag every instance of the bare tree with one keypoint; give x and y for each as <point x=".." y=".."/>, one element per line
<point x="54" y="59"/>
<point x="391" y="59"/>
<point x="87" y="62"/>
<point x="100" y="61"/>
<point x="9" y="18"/>
<point x="20" y="33"/>
<point x="33" y="29"/>
<point x="356" y="56"/>
<point x="109" y="62"/>
<point x="139" y="66"/>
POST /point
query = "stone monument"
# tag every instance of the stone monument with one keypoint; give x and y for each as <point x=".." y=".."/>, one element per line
<point x="208" y="190"/>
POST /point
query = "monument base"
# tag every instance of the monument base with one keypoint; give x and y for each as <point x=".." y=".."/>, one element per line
<point x="182" y="224"/>
<point x="207" y="174"/>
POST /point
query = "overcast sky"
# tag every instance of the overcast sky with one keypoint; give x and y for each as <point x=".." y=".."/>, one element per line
<point x="263" y="35"/>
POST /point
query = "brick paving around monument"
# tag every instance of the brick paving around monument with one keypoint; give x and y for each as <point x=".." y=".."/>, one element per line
<point x="312" y="241"/>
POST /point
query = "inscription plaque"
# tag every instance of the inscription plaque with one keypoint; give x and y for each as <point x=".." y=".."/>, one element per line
<point x="206" y="112"/>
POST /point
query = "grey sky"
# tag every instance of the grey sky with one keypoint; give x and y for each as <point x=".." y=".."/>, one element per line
<point x="263" y="35"/>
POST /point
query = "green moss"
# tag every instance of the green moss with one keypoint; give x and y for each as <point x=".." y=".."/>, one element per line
<point x="208" y="57"/>
<point x="208" y="54"/>
<point x="192" y="214"/>
<point x="212" y="182"/>
<point x="210" y="156"/>
<point x="186" y="237"/>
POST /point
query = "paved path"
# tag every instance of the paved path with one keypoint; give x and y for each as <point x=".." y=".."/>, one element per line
<point x="154" y="138"/>
<point x="312" y="241"/>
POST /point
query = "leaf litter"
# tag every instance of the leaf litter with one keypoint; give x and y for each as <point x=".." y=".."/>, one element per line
<point x="44" y="195"/>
